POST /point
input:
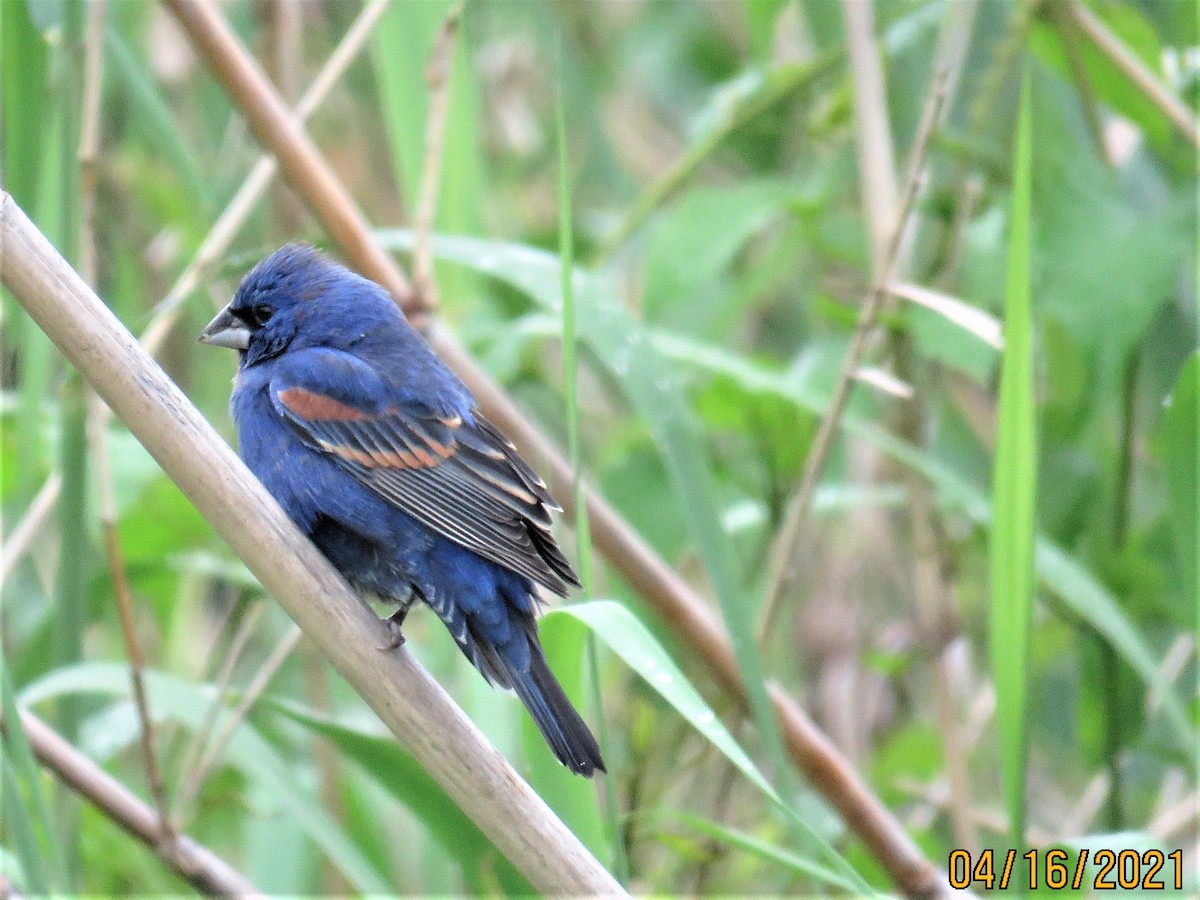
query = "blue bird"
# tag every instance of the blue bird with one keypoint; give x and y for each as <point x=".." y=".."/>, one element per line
<point x="379" y="454"/>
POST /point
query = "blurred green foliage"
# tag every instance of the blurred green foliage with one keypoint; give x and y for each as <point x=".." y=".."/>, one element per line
<point x="721" y="252"/>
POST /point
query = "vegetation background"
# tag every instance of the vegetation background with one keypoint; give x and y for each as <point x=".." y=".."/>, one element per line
<point x="716" y="154"/>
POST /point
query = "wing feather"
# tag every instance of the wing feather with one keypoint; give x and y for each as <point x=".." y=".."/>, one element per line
<point x="462" y="479"/>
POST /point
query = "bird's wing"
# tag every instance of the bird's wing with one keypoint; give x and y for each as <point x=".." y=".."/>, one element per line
<point x="462" y="478"/>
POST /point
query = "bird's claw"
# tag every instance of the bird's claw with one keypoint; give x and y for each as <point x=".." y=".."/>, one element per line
<point x="394" y="625"/>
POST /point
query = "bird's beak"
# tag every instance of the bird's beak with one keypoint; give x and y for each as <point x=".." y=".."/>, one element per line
<point x="226" y="330"/>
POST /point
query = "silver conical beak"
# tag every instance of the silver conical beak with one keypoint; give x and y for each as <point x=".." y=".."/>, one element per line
<point x="226" y="330"/>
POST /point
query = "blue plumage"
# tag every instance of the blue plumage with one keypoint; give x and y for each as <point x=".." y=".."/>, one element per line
<point x="378" y="453"/>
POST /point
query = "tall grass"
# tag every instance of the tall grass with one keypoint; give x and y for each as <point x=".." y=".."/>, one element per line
<point x="1013" y="587"/>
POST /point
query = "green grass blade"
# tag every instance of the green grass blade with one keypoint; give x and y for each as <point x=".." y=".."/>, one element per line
<point x="1013" y="587"/>
<point x="42" y="860"/>
<point x="23" y="65"/>
<point x="71" y="585"/>
<point x="583" y="536"/>
<point x="71" y="594"/>
<point x="18" y="823"/>
<point x="1180" y="437"/>
<point x="769" y="852"/>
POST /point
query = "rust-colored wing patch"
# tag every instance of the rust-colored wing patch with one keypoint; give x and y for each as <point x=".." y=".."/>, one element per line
<point x="318" y="407"/>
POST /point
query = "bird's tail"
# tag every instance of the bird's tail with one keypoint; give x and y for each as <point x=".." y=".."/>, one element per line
<point x="559" y="723"/>
<point x="526" y="673"/>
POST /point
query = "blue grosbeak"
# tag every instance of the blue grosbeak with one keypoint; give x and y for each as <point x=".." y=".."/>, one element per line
<point x="379" y="454"/>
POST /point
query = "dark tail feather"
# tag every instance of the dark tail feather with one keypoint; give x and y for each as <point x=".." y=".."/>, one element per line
<point x="561" y="726"/>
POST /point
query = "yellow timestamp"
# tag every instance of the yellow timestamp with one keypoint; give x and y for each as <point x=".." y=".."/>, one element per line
<point x="1057" y="869"/>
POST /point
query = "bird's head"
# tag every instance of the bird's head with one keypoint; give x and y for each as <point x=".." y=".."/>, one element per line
<point x="297" y="298"/>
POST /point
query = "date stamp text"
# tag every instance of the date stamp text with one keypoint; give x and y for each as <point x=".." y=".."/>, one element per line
<point x="1057" y="869"/>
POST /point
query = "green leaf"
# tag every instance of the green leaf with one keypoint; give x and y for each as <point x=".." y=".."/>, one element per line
<point x="18" y="823"/>
<point x="692" y="246"/>
<point x="1180" y="440"/>
<point x="1013" y="587"/>
<point x="25" y="809"/>
<point x="768" y="852"/>
<point x="402" y="777"/>
<point x="188" y="704"/>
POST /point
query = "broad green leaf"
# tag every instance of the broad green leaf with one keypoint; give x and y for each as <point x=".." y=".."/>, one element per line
<point x="188" y="704"/>
<point x="1014" y="482"/>
<point x="691" y="246"/>
<point x="1108" y="249"/>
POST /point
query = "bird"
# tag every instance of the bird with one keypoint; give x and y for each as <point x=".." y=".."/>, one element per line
<point x="381" y="457"/>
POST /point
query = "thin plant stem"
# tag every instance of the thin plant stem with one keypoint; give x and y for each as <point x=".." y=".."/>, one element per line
<point x="873" y="134"/>
<point x="18" y="542"/>
<point x="124" y="601"/>
<point x="437" y="77"/>
<point x="566" y="250"/>
<point x="258" y="684"/>
<point x="783" y="550"/>
<point x="189" y="765"/>
<point x="1176" y="111"/>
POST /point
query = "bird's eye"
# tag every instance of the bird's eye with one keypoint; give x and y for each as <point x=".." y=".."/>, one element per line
<point x="262" y="314"/>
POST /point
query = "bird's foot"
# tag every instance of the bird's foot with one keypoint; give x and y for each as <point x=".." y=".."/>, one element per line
<point x="395" y="623"/>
